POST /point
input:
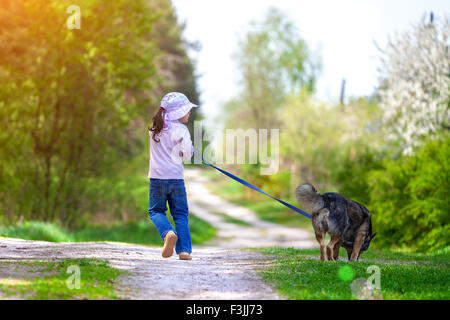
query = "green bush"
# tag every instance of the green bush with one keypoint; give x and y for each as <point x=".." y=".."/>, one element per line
<point x="409" y="199"/>
<point x="351" y="176"/>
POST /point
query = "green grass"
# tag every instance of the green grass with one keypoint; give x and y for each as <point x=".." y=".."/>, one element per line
<point x="140" y="232"/>
<point x="51" y="280"/>
<point x="201" y="230"/>
<point x="266" y="208"/>
<point x="297" y="274"/>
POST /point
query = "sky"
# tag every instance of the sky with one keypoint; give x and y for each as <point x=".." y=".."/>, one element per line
<point x="343" y="32"/>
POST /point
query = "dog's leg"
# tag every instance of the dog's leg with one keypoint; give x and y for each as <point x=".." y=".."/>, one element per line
<point x="330" y="247"/>
<point x="336" y="250"/>
<point x="349" y="253"/>
<point x="357" y="246"/>
<point x="320" y="237"/>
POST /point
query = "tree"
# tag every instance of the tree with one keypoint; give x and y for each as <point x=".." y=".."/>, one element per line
<point x="68" y="97"/>
<point x="415" y="83"/>
<point x="274" y="62"/>
<point x="316" y="136"/>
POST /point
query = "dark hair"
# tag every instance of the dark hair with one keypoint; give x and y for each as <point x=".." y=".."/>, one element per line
<point x="158" y="124"/>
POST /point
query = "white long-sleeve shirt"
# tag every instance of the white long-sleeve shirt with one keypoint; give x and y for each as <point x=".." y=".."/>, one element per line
<point x="165" y="159"/>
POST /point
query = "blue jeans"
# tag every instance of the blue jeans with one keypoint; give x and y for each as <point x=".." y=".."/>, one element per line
<point x="172" y="191"/>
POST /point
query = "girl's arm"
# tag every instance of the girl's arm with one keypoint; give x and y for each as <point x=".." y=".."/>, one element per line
<point x="187" y="149"/>
<point x="184" y="147"/>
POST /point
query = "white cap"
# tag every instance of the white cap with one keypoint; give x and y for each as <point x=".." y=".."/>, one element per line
<point x="176" y="105"/>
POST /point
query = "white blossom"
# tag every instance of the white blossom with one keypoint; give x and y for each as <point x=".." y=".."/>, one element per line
<point x="415" y="82"/>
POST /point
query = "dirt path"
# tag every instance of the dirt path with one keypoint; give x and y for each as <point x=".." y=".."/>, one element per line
<point x="219" y="269"/>
<point x="230" y="235"/>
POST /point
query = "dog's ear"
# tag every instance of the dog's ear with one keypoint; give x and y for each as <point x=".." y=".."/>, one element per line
<point x="373" y="236"/>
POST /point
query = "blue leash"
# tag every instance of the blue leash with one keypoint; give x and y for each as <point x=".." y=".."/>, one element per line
<point x="245" y="183"/>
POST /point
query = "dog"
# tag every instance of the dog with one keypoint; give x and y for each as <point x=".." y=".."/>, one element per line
<point x="347" y="222"/>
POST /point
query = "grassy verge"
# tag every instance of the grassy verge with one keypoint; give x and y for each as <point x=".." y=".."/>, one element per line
<point x="139" y="232"/>
<point x="45" y="280"/>
<point x="297" y="274"/>
<point x="266" y="208"/>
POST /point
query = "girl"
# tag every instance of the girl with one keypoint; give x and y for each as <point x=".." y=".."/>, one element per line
<point x="170" y="142"/>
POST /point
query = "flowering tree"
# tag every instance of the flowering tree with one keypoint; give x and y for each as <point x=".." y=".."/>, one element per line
<point x="415" y="83"/>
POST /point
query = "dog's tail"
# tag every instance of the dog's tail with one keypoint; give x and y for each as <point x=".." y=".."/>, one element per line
<point x="307" y="196"/>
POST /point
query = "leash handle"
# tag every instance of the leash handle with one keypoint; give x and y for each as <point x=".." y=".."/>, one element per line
<point x="245" y="183"/>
